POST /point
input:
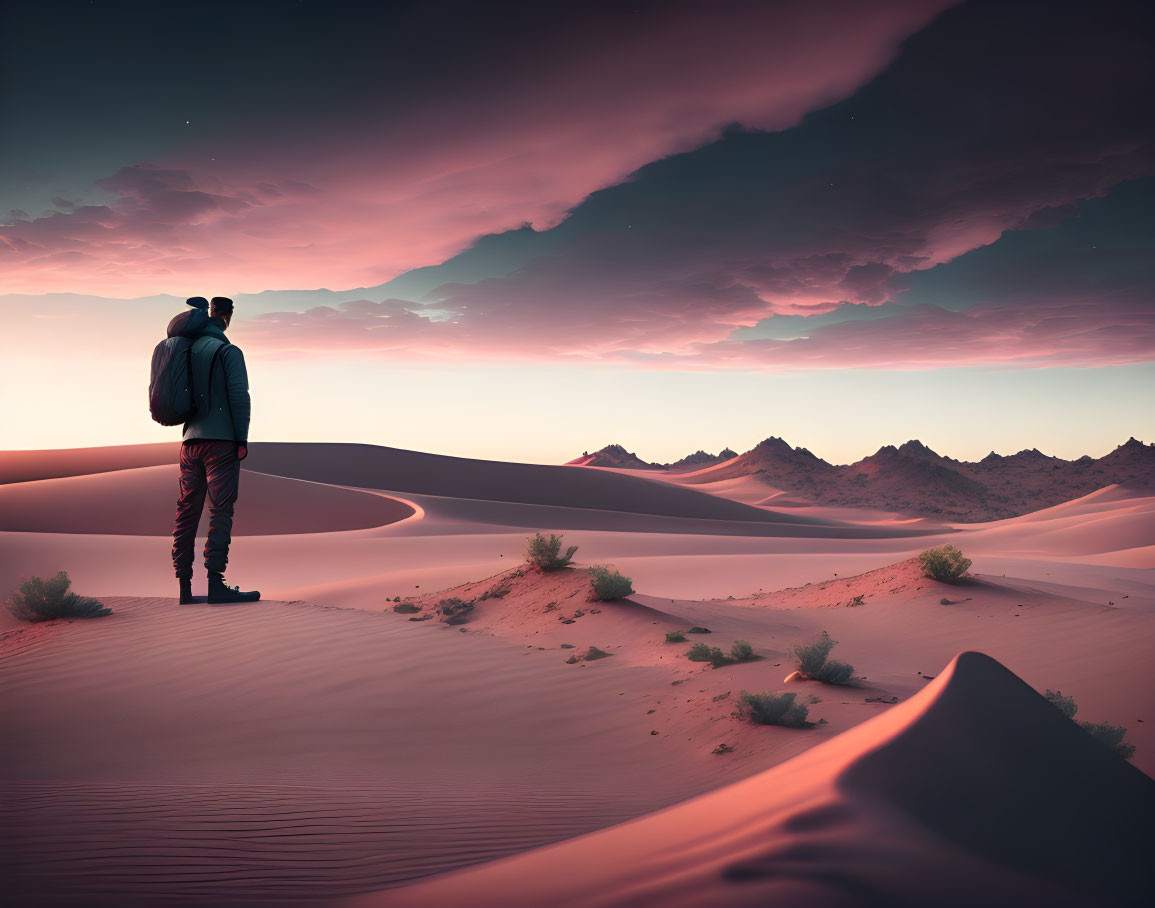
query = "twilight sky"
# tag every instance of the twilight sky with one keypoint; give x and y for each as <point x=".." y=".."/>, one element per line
<point x="846" y="223"/>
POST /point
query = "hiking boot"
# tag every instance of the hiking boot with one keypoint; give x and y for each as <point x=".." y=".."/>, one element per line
<point x="220" y="592"/>
<point x="186" y="596"/>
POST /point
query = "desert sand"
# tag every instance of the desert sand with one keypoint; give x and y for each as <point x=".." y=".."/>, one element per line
<point x="913" y="786"/>
<point x="318" y="745"/>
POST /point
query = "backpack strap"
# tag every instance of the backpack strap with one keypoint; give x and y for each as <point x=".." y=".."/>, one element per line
<point x="212" y="363"/>
<point x="192" y="391"/>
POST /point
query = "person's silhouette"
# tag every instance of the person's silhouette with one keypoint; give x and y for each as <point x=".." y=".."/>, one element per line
<point x="215" y="443"/>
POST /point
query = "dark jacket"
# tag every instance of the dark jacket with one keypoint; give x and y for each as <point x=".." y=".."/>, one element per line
<point x="220" y="387"/>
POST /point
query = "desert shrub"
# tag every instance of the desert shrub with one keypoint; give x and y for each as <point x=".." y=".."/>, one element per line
<point x="454" y="610"/>
<point x="718" y="658"/>
<point x="675" y="636"/>
<point x="590" y="655"/>
<point x="773" y="709"/>
<point x="545" y="552"/>
<point x="741" y="651"/>
<point x="1109" y="735"/>
<point x="608" y="583"/>
<point x="1066" y="705"/>
<point x="37" y="599"/>
<point x="835" y="672"/>
<point x="701" y="652"/>
<point x="811" y="656"/>
<point x="813" y="665"/>
<point x="406" y="608"/>
<point x="944" y="563"/>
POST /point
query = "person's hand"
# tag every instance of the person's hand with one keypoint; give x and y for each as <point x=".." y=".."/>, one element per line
<point x="242" y="451"/>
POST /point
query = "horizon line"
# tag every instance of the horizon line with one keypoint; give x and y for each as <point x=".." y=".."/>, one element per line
<point x="566" y="463"/>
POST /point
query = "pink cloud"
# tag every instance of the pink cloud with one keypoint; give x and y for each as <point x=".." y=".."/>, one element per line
<point x="370" y="195"/>
<point x="1062" y="333"/>
<point x="925" y="337"/>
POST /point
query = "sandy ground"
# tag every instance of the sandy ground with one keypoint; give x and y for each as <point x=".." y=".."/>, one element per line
<point x="319" y="745"/>
<point x="912" y="787"/>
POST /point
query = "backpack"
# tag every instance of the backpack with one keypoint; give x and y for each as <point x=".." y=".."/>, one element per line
<point x="170" y="396"/>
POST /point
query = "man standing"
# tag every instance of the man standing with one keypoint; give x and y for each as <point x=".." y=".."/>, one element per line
<point x="215" y="443"/>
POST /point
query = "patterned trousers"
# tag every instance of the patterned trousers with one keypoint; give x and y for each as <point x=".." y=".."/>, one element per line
<point x="206" y="468"/>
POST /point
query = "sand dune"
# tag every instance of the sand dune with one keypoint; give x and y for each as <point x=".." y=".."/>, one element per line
<point x="297" y="751"/>
<point x="442" y="549"/>
<point x="25" y="466"/>
<point x="140" y="502"/>
<point x="280" y="750"/>
<point x="949" y="799"/>
<point x="470" y="512"/>
<point x="372" y="467"/>
<point x="439" y="551"/>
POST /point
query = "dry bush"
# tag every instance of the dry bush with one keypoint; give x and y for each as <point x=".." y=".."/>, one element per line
<point x="811" y="656"/>
<point x="590" y="655"/>
<point x="545" y="552"/>
<point x="811" y="659"/>
<point x="773" y="709"/>
<point x="1066" y="705"/>
<point x="701" y="652"/>
<point x="37" y="599"/>
<point x="1109" y="735"/>
<point x="944" y="563"/>
<point x="835" y="672"/>
<point x="609" y="584"/>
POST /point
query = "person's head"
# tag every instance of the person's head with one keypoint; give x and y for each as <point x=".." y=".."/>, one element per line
<point x="222" y="308"/>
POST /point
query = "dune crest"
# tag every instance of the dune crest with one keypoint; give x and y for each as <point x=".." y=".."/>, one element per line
<point x="94" y="503"/>
<point x="974" y="791"/>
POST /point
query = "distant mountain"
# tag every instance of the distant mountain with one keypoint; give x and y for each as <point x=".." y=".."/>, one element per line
<point x="613" y="456"/>
<point x="700" y="460"/>
<point x="619" y="457"/>
<point x="912" y="464"/>
<point x="914" y="479"/>
<point x="911" y="478"/>
<point x="773" y="461"/>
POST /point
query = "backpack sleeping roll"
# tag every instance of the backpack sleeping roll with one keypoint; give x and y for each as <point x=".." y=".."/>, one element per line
<point x="170" y="394"/>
